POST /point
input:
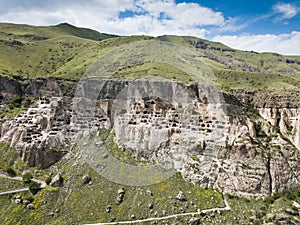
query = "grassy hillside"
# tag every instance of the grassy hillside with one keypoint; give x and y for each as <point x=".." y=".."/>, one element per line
<point x="34" y="33"/>
<point x="67" y="51"/>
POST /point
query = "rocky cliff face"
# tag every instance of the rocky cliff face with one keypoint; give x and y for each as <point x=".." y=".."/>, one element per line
<point x="39" y="133"/>
<point x="207" y="136"/>
<point x="50" y="87"/>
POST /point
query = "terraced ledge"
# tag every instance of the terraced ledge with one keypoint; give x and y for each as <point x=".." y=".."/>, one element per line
<point x="226" y="208"/>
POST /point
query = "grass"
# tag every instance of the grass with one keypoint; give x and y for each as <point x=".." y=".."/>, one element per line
<point x="88" y="203"/>
<point x="10" y="184"/>
<point x="155" y="70"/>
<point x="229" y="79"/>
<point x="7" y="155"/>
<point x="66" y="51"/>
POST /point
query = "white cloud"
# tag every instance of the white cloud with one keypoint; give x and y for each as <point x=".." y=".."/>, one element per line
<point x="286" y="10"/>
<point x="152" y="17"/>
<point x="284" y="43"/>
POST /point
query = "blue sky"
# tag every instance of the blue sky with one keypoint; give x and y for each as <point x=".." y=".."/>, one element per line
<point x="272" y="26"/>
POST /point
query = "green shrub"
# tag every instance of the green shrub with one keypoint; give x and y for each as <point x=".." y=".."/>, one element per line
<point x="27" y="177"/>
<point x="48" y="180"/>
<point x="10" y="171"/>
<point x="34" y="187"/>
<point x="17" y="101"/>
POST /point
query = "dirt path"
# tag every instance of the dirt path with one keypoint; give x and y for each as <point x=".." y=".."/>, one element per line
<point x="227" y="207"/>
<point x="18" y="178"/>
<point x="14" y="191"/>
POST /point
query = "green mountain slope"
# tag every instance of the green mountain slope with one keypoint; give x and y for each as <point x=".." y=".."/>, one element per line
<point x="67" y="51"/>
<point x="35" y="33"/>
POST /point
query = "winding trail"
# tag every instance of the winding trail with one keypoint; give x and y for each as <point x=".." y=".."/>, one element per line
<point x="14" y="191"/>
<point x="18" y="178"/>
<point x="227" y="207"/>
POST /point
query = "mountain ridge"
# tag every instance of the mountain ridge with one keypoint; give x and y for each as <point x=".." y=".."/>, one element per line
<point x="66" y="51"/>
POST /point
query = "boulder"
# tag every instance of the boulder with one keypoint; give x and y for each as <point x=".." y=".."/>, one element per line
<point x="194" y="221"/>
<point x="30" y="206"/>
<point x="26" y="202"/>
<point x="86" y="179"/>
<point x="18" y="201"/>
<point x="108" y="208"/>
<point x="181" y="196"/>
<point x="121" y="191"/>
<point x="57" y="181"/>
<point x="149" y="193"/>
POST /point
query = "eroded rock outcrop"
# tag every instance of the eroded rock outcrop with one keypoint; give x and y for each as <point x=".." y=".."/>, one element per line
<point x="39" y="133"/>
<point x="207" y="136"/>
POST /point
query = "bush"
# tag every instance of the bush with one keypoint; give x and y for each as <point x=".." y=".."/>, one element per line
<point x="10" y="171"/>
<point x="27" y="177"/>
<point x="34" y="187"/>
<point x="16" y="101"/>
<point x="48" y="180"/>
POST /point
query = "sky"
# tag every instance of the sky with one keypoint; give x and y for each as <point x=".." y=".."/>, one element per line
<point x="254" y="25"/>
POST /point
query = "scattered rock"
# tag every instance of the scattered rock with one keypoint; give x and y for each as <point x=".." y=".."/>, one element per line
<point x="281" y="217"/>
<point x="57" y="181"/>
<point x="194" y="221"/>
<point x="291" y="212"/>
<point x="51" y="214"/>
<point x="18" y="197"/>
<point x="150" y="206"/>
<point x="253" y="213"/>
<point x="108" y="208"/>
<point x="18" y="201"/>
<point x="30" y="206"/>
<point x="26" y="202"/>
<point x="86" y="179"/>
<point x="149" y="193"/>
<point x="181" y="196"/>
<point x="119" y="200"/>
<point x="296" y="204"/>
<point x="270" y="216"/>
<point x="132" y="216"/>
<point x="121" y="191"/>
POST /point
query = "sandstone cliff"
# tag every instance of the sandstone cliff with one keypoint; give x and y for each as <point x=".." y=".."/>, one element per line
<point x="213" y="139"/>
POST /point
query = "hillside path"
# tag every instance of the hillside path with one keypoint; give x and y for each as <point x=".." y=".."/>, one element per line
<point x="18" y="178"/>
<point x="227" y="207"/>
